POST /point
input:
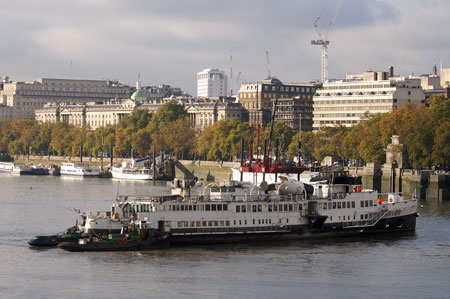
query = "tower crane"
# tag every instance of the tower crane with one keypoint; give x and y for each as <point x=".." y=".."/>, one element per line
<point x="324" y="42"/>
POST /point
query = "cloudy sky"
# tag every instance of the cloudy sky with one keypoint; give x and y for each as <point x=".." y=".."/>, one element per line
<point x="169" y="41"/>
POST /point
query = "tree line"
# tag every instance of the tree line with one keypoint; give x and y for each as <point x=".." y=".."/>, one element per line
<point x="424" y="131"/>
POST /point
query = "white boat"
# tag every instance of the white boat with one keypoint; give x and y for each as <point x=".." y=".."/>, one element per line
<point x="79" y="169"/>
<point x="131" y="171"/>
<point x="13" y="168"/>
<point x="234" y="211"/>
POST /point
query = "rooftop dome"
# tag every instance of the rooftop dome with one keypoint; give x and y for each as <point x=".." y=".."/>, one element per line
<point x="138" y="95"/>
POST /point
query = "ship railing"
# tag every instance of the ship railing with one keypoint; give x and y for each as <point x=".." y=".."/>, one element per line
<point x="367" y="223"/>
<point x="224" y="230"/>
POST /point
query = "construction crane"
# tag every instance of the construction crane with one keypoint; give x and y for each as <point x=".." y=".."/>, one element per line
<point x="324" y="42"/>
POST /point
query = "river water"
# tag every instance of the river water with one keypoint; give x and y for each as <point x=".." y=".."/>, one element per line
<point x="401" y="266"/>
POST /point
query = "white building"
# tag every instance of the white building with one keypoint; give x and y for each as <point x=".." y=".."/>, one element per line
<point x="211" y="83"/>
<point x="344" y="102"/>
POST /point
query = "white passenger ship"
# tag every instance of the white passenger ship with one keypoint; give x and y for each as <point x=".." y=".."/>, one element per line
<point x="13" y="168"/>
<point x="234" y="211"/>
<point x="79" y="169"/>
<point x="131" y="171"/>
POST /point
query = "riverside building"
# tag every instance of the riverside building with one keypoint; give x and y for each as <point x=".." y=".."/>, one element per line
<point x="295" y="100"/>
<point x="205" y="112"/>
<point x="345" y="102"/>
<point x="25" y="97"/>
<point x="211" y="83"/>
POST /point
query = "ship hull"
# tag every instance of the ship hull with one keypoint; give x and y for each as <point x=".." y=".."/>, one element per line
<point x="295" y="232"/>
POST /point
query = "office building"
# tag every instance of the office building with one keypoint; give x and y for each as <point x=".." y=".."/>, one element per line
<point x="211" y="83"/>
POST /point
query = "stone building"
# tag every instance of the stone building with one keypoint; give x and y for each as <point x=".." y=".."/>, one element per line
<point x="259" y="97"/>
<point x="26" y="97"/>
<point x="93" y="114"/>
<point x="205" y="112"/>
<point x="295" y="112"/>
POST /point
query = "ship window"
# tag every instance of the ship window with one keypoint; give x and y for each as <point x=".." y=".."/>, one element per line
<point x="290" y="207"/>
<point x="259" y="208"/>
<point x="227" y="223"/>
<point x="339" y="205"/>
<point x="180" y="223"/>
<point x="295" y="207"/>
<point x="194" y="208"/>
<point x="203" y="223"/>
<point x="243" y="209"/>
<point x="253" y="221"/>
<point x="234" y="222"/>
<point x="287" y="220"/>
<point x="254" y="208"/>
<point x="334" y="205"/>
<point x="348" y="205"/>
<point x="192" y="223"/>
<point x="245" y="222"/>
<point x="178" y="207"/>
<point x="353" y="204"/>
<point x="219" y="207"/>
<point x="285" y="207"/>
<point x="280" y="208"/>
<point x="213" y="207"/>
<point x="207" y="207"/>
<point x="240" y="222"/>
<point x="216" y="223"/>
<point x="225" y="207"/>
<point x="210" y="223"/>
<point x="339" y="217"/>
<point x="331" y="218"/>
<point x="275" y="208"/>
<point x="182" y="208"/>
<point x="222" y="223"/>
<point x="325" y="206"/>
<point x="238" y="209"/>
<point x="270" y="208"/>
<point x="199" y="223"/>
<point x="370" y="203"/>
<point x="362" y="204"/>
<point x="343" y="217"/>
<point x="362" y="216"/>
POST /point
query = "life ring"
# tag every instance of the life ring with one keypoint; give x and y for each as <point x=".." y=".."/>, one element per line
<point x="119" y="241"/>
<point x="138" y="239"/>
<point x="125" y="240"/>
<point x="380" y="200"/>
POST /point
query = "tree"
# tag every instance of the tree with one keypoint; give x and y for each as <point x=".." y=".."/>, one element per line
<point x="167" y="113"/>
<point x="138" y="119"/>
<point x="441" y="147"/>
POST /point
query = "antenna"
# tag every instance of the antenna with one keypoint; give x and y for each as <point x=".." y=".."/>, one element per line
<point x="231" y="73"/>
<point x="268" y="64"/>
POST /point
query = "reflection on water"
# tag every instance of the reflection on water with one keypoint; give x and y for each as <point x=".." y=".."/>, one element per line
<point x="401" y="266"/>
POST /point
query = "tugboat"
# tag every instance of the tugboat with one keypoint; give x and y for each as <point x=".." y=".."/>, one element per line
<point x="129" y="239"/>
<point x="72" y="234"/>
